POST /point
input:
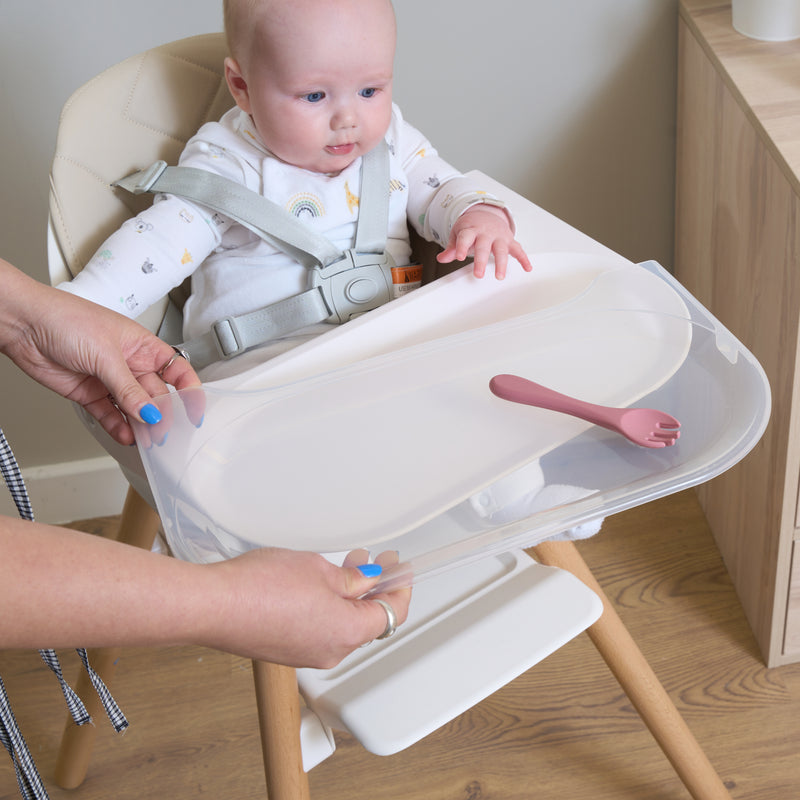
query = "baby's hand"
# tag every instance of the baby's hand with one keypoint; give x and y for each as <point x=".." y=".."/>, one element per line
<point x="484" y="230"/>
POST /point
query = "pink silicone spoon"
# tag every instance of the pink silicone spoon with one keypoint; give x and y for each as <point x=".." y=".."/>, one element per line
<point x="643" y="426"/>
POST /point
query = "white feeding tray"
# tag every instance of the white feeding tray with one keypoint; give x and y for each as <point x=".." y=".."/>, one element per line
<point x="358" y="455"/>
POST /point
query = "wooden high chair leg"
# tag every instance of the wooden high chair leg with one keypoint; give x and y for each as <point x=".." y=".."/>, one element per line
<point x="278" y="702"/>
<point x="626" y="661"/>
<point x="139" y="525"/>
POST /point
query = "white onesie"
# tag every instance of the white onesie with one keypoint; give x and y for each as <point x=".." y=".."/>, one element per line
<point x="233" y="270"/>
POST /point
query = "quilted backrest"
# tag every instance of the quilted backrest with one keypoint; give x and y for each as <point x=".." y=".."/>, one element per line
<point x="139" y="111"/>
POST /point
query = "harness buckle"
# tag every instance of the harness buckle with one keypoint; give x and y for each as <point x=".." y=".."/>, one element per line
<point x="354" y="284"/>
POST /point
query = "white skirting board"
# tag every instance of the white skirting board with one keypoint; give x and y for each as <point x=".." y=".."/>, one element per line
<point x="72" y="490"/>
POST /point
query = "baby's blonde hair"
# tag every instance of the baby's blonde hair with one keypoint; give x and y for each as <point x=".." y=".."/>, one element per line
<point x="241" y="24"/>
<point x="238" y="19"/>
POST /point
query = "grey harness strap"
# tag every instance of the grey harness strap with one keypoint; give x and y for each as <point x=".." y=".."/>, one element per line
<point x="342" y="284"/>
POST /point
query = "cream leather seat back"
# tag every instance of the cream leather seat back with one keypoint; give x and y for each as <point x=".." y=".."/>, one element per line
<point x="139" y="111"/>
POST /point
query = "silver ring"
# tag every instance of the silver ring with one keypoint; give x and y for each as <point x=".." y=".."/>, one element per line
<point x="179" y="353"/>
<point x="391" y="619"/>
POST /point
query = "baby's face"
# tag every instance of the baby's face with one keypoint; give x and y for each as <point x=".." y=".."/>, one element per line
<point x="319" y="84"/>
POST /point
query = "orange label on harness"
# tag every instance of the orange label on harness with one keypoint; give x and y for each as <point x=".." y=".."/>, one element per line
<point x="406" y="279"/>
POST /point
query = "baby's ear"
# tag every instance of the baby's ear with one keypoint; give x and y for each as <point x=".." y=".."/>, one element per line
<point x="237" y="85"/>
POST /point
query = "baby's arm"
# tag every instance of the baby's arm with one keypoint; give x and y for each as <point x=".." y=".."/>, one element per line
<point x="147" y="257"/>
<point x="455" y="210"/>
<point x="155" y="252"/>
<point x="484" y="230"/>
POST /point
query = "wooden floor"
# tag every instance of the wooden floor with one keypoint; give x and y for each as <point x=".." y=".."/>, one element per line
<point x="563" y="730"/>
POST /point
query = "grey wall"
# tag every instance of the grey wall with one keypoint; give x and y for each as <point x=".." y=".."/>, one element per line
<point x="570" y="103"/>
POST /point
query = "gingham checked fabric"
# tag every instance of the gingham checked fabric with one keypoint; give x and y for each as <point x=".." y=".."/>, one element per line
<point x="30" y="783"/>
<point x="13" y="479"/>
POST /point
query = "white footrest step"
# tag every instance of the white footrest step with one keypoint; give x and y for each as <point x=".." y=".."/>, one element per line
<point x="469" y="632"/>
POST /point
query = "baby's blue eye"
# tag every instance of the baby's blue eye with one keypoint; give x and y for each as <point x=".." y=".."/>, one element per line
<point x="315" y="97"/>
<point x="368" y="92"/>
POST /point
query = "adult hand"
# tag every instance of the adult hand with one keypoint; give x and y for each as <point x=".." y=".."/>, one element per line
<point x="93" y="356"/>
<point x="298" y="609"/>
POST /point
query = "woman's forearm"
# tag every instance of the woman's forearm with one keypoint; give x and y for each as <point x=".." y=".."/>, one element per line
<point x="62" y="588"/>
<point x="17" y="298"/>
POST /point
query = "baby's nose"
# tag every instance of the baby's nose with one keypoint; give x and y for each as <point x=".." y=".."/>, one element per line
<point x="344" y="117"/>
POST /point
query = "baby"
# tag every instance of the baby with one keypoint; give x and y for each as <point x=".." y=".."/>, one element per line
<point x="312" y="83"/>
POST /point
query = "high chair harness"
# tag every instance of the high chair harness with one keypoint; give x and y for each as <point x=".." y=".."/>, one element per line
<point x="342" y="283"/>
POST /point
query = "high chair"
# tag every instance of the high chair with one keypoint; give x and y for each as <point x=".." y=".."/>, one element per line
<point x="473" y="581"/>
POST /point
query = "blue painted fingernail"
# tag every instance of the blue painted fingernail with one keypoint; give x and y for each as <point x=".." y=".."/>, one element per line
<point x="370" y="570"/>
<point x="150" y="414"/>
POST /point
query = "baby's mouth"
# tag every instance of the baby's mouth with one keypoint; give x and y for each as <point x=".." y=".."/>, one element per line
<point x="340" y="149"/>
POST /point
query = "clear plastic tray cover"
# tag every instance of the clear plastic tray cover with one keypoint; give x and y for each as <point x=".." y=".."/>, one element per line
<point x="408" y="450"/>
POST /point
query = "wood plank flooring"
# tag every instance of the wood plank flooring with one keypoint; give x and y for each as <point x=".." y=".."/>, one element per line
<point x="564" y="730"/>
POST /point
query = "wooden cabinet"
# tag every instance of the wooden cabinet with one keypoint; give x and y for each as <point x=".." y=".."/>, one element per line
<point x="738" y="252"/>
